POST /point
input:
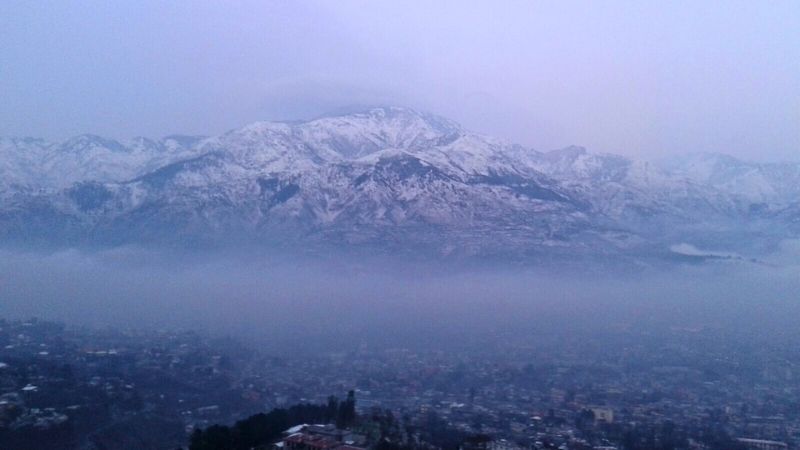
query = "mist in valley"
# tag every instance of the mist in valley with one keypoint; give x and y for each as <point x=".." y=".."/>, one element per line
<point x="288" y="304"/>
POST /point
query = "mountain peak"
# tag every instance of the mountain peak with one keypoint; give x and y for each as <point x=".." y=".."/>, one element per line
<point x="88" y="142"/>
<point x="359" y="133"/>
<point x="570" y="152"/>
<point x="397" y="114"/>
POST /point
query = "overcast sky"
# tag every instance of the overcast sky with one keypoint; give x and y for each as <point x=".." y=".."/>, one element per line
<point x="639" y="78"/>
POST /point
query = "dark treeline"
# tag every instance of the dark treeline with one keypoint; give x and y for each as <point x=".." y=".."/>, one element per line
<point x="262" y="429"/>
<point x="384" y="430"/>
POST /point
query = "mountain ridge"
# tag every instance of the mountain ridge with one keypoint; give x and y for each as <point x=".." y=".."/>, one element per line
<point x="383" y="179"/>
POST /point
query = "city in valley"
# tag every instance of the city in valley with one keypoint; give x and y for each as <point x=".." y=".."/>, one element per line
<point x="629" y="387"/>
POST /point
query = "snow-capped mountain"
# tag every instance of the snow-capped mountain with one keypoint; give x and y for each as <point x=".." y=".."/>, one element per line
<point x="385" y="178"/>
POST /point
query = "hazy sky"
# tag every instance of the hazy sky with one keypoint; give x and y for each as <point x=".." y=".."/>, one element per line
<point x="639" y="77"/>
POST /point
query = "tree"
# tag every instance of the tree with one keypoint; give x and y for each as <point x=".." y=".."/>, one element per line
<point x="347" y="411"/>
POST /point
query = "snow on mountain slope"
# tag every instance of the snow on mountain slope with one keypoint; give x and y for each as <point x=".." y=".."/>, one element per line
<point x="37" y="164"/>
<point x="360" y="134"/>
<point x="634" y="193"/>
<point x="384" y="177"/>
<point x="19" y="163"/>
<point x="756" y="182"/>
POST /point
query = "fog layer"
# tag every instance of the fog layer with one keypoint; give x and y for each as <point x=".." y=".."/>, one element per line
<point x="299" y="305"/>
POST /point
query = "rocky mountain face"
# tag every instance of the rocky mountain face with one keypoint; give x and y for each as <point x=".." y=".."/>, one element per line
<point x="386" y="179"/>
